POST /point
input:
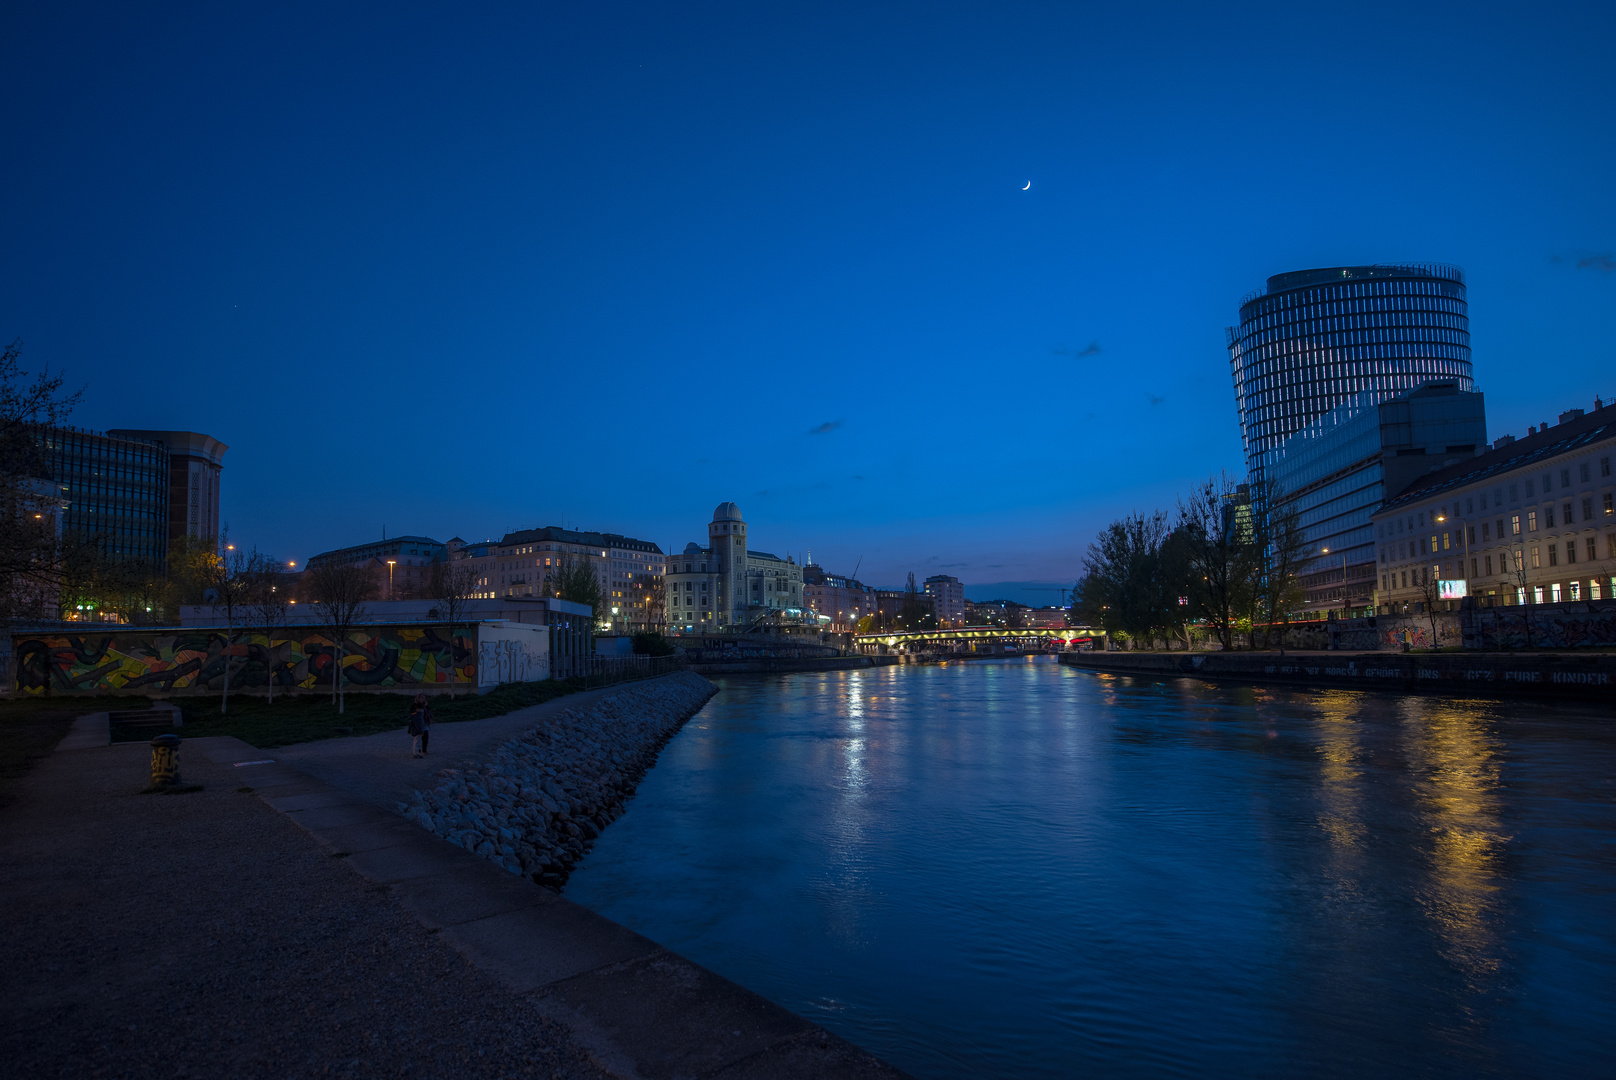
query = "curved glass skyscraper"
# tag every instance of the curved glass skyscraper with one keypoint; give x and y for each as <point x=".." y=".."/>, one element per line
<point x="1314" y="340"/>
<point x="1351" y="381"/>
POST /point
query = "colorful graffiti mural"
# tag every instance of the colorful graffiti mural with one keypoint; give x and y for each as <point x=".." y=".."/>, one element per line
<point x="193" y="661"/>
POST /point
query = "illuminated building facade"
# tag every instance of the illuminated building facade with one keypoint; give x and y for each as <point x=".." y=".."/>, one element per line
<point x="1532" y="520"/>
<point x="1314" y="340"/>
<point x="1316" y="360"/>
<point x="726" y="586"/>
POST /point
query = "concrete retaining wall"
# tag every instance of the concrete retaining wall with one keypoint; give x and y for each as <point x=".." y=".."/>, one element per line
<point x="1590" y="676"/>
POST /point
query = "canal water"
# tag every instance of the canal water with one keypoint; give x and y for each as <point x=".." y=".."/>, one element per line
<point x="1018" y="869"/>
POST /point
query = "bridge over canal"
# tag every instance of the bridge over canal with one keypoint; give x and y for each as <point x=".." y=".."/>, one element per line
<point x="980" y="640"/>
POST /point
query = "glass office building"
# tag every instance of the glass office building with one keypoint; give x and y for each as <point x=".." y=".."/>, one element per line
<point x="1313" y="340"/>
<point x="114" y="492"/>
<point x="1350" y="382"/>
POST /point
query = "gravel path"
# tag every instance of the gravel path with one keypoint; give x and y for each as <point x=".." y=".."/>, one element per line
<point x="206" y="935"/>
<point x="381" y="768"/>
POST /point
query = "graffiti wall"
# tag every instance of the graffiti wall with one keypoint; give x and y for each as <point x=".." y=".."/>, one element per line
<point x="512" y="652"/>
<point x="296" y="658"/>
<point x="1539" y="626"/>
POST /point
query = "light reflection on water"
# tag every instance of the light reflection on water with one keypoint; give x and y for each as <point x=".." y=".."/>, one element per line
<point x="1022" y="870"/>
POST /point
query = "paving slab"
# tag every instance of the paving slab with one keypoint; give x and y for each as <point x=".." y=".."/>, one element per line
<point x="532" y="947"/>
<point x="449" y="899"/>
<point x="810" y="1056"/>
<point x="673" y="1018"/>
<point x="92" y="729"/>
<point x="338" y="815"/>
<point x="309" y="800"/>
<point x="407" y="860"/>
<point x="365" y="836"/>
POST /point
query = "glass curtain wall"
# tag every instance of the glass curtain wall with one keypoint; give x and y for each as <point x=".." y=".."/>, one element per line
<point x="1316" y="352"/>
<point x="116" y="491"/>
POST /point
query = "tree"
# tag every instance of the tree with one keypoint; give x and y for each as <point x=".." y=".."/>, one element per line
<point x="1282" y="548"/>
<point x="910" y="611"/>
<point x="1519" y="573"/>
<point x="452" y="585"/>
<point x="235" y="576"/>
<point x="1430" y="593"/>
<point x="653" y="589"/>
<point x="193" y="567"/>
<point x="340" y="592"/>
<point x="1123" y="588"/>
<point x="30" y="556"/>
<point x="1218" y="553"/>
<point x="576" y="581"/>
<point x="267" y="609"/>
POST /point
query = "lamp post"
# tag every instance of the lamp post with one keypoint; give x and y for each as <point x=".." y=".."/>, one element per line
<point x="390" y="564"/>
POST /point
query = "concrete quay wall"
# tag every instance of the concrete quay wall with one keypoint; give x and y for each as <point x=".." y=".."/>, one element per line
<point x="1551" y="676"/>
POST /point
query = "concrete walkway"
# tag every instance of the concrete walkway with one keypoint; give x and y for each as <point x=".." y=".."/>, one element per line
<point x="640" y="1010"/>
<point x="381" y="769"/>
<point x="149" y="937"/>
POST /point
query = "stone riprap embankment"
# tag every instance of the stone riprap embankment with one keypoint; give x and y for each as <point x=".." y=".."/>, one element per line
<point x="539" y="801"/>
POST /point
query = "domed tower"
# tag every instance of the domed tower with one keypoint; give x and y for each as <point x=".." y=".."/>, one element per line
<point x="726" y="536"/>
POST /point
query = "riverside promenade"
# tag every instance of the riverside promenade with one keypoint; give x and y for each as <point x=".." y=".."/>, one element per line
<point x="278" y="923"/>
<point x="1584" y="676"/>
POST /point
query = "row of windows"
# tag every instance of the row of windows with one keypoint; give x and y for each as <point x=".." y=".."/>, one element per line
<point x="1531" y="521"/>
<point x="1559" y="592"/>
<point x="1409" y="308"/>
<point x="1271" y="344"/>
<point x="1534" y="557"/>
<point x="1432" y="292"/>
<point x="1543" y="482"/>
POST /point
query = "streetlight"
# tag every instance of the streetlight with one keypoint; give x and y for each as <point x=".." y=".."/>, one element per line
<point x="390" y="564"/>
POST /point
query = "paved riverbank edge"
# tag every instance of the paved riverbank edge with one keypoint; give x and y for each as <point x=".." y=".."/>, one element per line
<point x="645" y="1013"/>
<point x="1555" y="676"/>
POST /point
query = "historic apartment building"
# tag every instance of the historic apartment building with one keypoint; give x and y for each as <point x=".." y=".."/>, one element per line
<point x="726" y="586"/>
<point x="401" y="566"/>
<point x="527" y="563"/>
<point x="841" y="599"/>
<point x="1530" y="521"/>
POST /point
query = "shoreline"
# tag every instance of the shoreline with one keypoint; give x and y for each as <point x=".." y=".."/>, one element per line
<point x="539" y="800"/>
<point x="1545" y="676"/>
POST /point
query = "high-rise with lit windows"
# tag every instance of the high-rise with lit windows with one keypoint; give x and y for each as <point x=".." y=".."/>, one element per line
<point x="1312" y="341"/>
<point x="1352" y="382"/>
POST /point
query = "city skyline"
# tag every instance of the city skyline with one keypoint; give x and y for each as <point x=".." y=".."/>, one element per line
<point x="386" y="291"/>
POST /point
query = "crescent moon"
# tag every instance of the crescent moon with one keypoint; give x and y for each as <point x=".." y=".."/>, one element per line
<point x="1029" y="184"/>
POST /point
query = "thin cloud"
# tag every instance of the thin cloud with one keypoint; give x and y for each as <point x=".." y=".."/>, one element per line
<point x="826" y="428"/>
<point x="1604" y="262"/>
<point x="1091" y="349"/>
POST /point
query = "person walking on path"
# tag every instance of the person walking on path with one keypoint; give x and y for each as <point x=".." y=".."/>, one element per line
<point x="420" y="724"/>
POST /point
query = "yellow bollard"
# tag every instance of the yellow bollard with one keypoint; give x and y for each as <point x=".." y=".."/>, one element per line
<point x="165" y="760"/>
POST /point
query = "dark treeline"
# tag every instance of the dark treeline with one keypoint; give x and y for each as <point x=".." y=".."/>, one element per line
<point x="1224" y="565"/>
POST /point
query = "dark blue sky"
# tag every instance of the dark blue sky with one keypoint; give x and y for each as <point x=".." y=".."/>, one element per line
<point x="469" y="268"/>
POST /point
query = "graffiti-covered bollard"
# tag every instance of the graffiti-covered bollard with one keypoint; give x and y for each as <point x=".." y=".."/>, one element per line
<point x="165" y="760"/>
